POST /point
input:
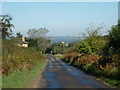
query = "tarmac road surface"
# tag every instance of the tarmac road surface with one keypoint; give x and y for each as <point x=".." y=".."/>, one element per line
<point x="58" y="74"/>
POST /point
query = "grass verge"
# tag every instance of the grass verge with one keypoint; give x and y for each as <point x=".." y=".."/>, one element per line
<point x="113" y="83"/>
<point x="22" y="79"/>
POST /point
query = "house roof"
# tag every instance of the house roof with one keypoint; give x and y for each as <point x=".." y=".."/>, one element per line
<point x="24" y="42"/>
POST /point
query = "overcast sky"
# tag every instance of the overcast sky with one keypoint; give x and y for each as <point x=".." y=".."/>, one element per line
<point x="61" y="18"/>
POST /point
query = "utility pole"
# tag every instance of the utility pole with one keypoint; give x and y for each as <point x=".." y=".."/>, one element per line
<point x="66" y="45"/>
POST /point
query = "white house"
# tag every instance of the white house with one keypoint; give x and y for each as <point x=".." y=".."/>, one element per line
<point x="23" y="43"/>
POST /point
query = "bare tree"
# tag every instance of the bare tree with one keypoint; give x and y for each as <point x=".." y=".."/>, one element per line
<point x="36" y="33"/>
<point x="40" y="35"/>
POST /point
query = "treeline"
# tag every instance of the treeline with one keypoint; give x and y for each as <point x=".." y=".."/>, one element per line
<point x="96" y="54"/>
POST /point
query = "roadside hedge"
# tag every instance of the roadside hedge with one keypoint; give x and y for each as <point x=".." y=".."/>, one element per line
<point x="15" y="58"/>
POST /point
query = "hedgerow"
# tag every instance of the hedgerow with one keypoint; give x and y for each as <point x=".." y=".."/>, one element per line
<point x="15" y="58"/>
<point x="98" y="55"/>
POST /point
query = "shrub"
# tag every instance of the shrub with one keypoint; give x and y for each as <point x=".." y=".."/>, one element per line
<point x="70" y="57"/>
<point x="114" y="38"/>
<point x="15" y="58"/>
<point x="89" y="59"/>
<point x="87" y="66"/>
<point x="84" y="47"/>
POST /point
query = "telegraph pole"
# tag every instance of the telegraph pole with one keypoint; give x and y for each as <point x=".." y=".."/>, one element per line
<point x="67" y="43"/>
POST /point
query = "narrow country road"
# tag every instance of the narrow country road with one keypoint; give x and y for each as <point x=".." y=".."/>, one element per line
<point x="58" y="74"/>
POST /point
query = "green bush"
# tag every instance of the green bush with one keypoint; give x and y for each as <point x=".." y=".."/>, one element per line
<point x="87" y="66"/>
<point x="114" y="38"/>
<point x="91" y="45"/>
<point x="84" y="47"/>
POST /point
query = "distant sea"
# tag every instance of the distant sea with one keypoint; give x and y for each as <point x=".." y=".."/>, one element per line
<point x="69" y="39"/>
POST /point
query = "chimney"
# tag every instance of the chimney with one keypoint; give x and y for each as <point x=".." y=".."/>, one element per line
<point x="23" y="38"/>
